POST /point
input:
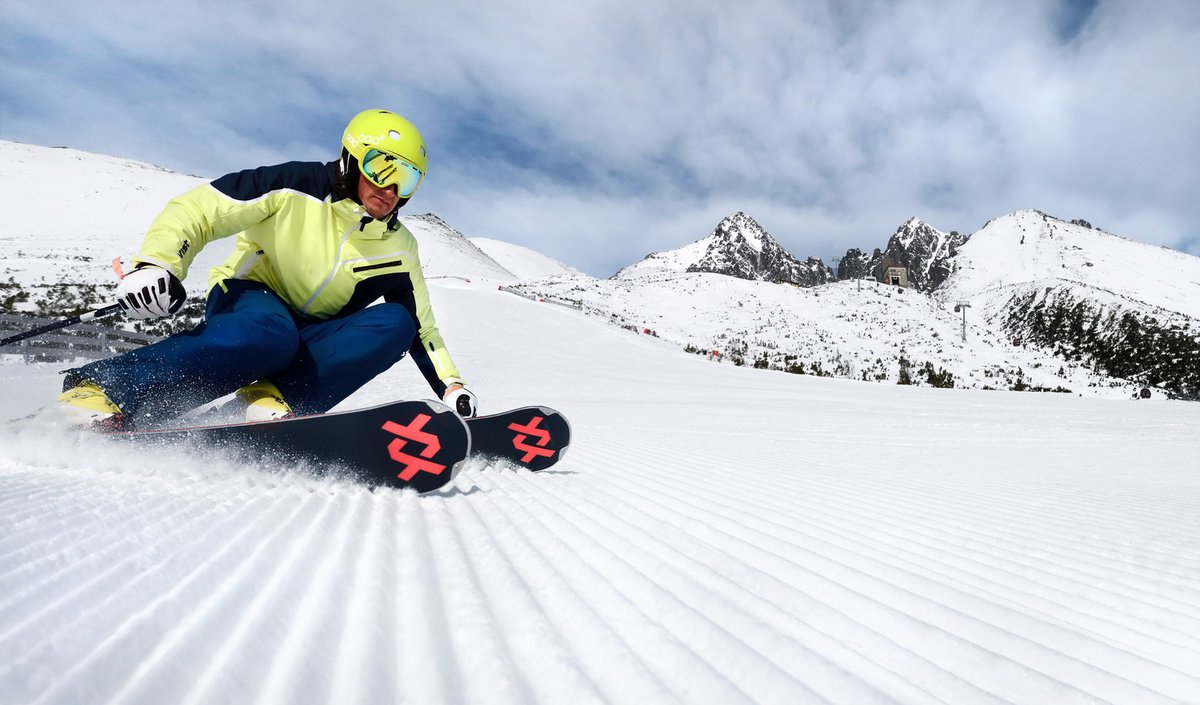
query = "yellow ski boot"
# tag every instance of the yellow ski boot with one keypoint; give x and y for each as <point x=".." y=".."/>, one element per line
<point x="264" y="402"/>
<point x="86" y="404"/>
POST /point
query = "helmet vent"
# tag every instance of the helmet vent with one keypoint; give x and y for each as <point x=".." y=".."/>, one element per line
<point x="394" y="135"/>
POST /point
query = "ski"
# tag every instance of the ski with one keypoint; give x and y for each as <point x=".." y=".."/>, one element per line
<point x="417" y="444"/>
<point x="532" y="437"/>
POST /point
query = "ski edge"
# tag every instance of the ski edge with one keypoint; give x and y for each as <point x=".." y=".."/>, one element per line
<point x="438" y="406"/>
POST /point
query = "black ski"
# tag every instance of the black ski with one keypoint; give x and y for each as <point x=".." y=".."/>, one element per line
<point x="417" y="444"/>
<point x="533" y="437"/>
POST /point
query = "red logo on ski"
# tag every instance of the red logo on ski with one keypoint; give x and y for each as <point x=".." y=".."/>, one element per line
<point x="531" y="429"/>
<point x="412" y="432"/>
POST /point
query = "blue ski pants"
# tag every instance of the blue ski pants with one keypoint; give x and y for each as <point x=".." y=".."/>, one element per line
<point x="249" y="334"/>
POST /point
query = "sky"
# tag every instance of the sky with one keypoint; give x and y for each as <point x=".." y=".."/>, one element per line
<point x="599" y="132"/>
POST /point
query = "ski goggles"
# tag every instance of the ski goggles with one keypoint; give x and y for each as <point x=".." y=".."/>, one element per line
<point x="386" y="169"/>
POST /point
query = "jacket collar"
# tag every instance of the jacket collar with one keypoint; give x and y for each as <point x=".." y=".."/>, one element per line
<point x="367" y="227"/>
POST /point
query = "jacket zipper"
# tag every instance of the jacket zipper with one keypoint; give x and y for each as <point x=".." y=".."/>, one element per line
<point x="337" y="265"/>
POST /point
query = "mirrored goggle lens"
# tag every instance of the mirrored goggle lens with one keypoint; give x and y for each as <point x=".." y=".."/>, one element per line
<point x="384" y="169"/>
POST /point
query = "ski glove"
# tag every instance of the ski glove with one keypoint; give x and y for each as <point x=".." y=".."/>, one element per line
<point x="150" y="292"/>
<point x="463" y="401"/>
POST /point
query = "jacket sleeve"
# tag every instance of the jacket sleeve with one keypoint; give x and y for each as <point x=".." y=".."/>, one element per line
<point x="428" y="350"/>
<point x="225" y="207"/>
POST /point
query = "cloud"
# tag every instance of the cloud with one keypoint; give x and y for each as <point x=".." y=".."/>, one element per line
<point x="635" y="126"/>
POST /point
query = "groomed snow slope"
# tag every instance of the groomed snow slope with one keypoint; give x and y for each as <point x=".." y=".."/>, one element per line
<point x="715" y="535"/>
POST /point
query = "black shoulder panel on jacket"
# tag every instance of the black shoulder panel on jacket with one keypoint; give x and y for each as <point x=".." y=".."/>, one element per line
<point x="396" y="288"/>
<point x="312" y="178"/>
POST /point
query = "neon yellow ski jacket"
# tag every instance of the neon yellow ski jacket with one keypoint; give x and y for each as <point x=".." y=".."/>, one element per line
<point x="323" y="255"/>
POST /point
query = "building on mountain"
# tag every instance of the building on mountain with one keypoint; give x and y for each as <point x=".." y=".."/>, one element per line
<point x="891" y="272"/>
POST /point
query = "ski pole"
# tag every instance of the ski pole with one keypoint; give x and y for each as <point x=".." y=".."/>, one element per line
<point x="73" y="320"/>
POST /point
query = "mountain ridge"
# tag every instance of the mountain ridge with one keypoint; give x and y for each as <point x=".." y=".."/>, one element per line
<point x="738" y="247"/>
<point x="1079" y="293"/>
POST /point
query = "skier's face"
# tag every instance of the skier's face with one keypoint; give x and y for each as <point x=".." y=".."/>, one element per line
<point x="378" y="202"/>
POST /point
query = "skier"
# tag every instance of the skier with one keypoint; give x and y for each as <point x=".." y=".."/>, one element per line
<point x="288" y="324"/>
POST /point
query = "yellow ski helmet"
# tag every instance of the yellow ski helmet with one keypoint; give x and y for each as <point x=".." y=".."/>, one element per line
<point x="388" y="148"/>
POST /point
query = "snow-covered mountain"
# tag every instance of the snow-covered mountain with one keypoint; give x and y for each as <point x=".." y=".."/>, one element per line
<point x="523" y="262"/>
<point x="1074" y="300"/>
<point x="447" y="252"/>
<point x="738" y="247"/>
<point x="68" y="214"/>
<point x="857" y="264"/>
<point x="1031" y="247"/>
<point x="924" y="250"/>
<point x="1126" y="308"/>
<point x="856" y="330"/>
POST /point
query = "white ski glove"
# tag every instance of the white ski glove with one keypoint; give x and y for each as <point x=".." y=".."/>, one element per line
<point x="150" y="292"/>
<point x="461" y="399"/>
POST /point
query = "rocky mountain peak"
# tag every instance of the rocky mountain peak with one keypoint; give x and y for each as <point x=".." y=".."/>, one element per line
<point x="740" y="247"/>
<point x="739" y="229"/>
<point x="923" y="249"/>
<point x="737" y="247"/>
<point x="926" y="251"/>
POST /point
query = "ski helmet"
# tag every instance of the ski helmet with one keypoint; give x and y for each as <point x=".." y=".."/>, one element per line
<point x="388" y="150"/>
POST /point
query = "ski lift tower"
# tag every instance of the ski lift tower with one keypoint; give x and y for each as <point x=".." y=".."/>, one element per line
<point x="963" y="306"/>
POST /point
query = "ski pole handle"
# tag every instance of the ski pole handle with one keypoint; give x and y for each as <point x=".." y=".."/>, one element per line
<point x="73" y="320"/>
